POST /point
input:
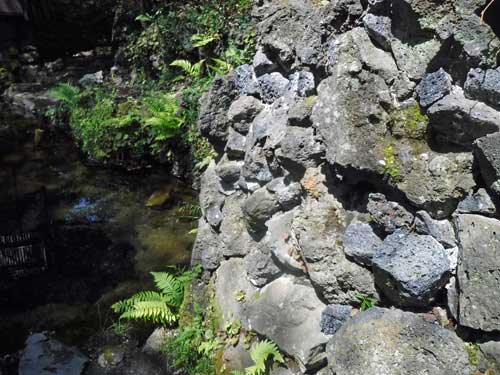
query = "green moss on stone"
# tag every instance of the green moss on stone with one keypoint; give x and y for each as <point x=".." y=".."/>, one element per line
<point x="409" y="122"/>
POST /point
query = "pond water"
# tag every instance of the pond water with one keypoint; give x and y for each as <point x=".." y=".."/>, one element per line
<point x="107" y="230"/>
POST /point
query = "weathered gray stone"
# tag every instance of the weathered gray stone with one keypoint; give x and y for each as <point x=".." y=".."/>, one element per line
<point x="246" y="81"/>
<point x="360" y="243"/>
<point x="288" y="194"/>
<point x="415" y="58"/>
<point x="459" y="121"/>
<point x="288" y="311"/>
<point x="214" y="105"/>
<point x="491" y="353"/>
<point x="484" y="85"/>
<point x="208" y="246"/>
<point x="229" y="170"/>
<point x="478" y="203"/>
<point x="302" y="83"/>
<point x="441" y="230"/>
<point x="236" y="145"/>
<point x="389" y="215"/>
<point x="280" y="240"/>
<point x="262" y="64"/>
<point x="214" y="216"/>
<point x="44" y="356"/>
<point x="433" y="87"/>
<point x="233" y="292"/>
<point x="242" y="112"/>
<point x="382" y="341"/>
<point x="211" y="190"/>
<point x="258" y="208"/>
<point x="237" y="241"/>
<point x="478" y="272"/>
<point x="300" y="112"/>
<point x="380" y="29"/>
<point x="333" y="317"/>
<point x="272" y="86"/>
<point x="299" y="150"/>
<point x="261" y="268"/>
<point x="487" y="154"/>
<point x="410" y="269"/>
<point x="318" y="228"/>
<point x="92" y="79"/>
<point x="256" y="167"/>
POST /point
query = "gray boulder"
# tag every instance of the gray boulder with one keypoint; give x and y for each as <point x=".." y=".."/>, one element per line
<point x="382" y="341"/>
<point x="484" y="85"/>
<point x="261" y="269"/>
<point x="433" y="87"/>
<point x="300" y="112"/>
<point x="229" y="170"/>
<point x="333" y="317"/>
<point x="257" y="168"/>
<point x="45" y="356"/>
<point x="258" y="208"/>
<point x="272" y="86"/>
<point x="319" y="227"/>
<point x="242" y="112"/>
<point x="213" y="121"/>
<point x="262" y="64"/>
<point x="287" y="193"/>
<point x="380" y="29"/>
<point x="360" y="242"/>
<point x="478" y="272"/>
<point x="491" y="353"/>
<point x="410" y="269"/>
<point x="487" y="154"/>
<point x="441" y="230"/>
<point x="415" y="58"/>
<point x="459" y="121"/>
<point x="389" y="215"/>
<point x="236" y="145"/>
<point x="209" y="246"/>
<point x="302" y="83"/>
<point x="478" y="203"/>
<point x="233" y="292"/>
<point x="233" y="232"/>
<point x="211" y="189"/>
<point x="289" y="313"/>
<point x="246" y="81"/>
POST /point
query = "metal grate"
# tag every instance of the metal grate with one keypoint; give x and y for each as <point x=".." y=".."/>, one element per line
<point x="23" y="251"/>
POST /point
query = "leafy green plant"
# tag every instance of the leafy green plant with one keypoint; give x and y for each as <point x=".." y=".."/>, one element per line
<point x="191" y="70"/>
<point x="66" y="93"/>
<point x="473" y="352"/>
<point x="240" y="296"/>
<point x="366" y="302"/>
<point x="390" y="166"/>
<point x="157" y="306"/>
<point x="201" y="40"/>
<point x="189" y="211"/>
<point x="264" y="354"/>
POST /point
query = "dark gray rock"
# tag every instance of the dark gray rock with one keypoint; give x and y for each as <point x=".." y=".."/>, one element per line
<point x="44" y="356"/>
<point x="484" y="85"/>
<point x="92" y="79"/>
<point x="229" y="170"/>
<point x="208" y="246"/>
<point x="272" y="86"/>
<point x="360" y="242"/>
<point x="235" y="146"/>
<point x="246" y="81"/>
<point x="478" y="272"/>
<point x="287" y="312"/>
<point x="300" y="112"/>
<point x="441" y="230"/>
<point x="487" y="154"/>
<point x="491" y="353"/>
<point x="214" y="216"/>
<point x="214" y="105"/>
<point x="410" y="269"/>
<point x="299" y="150"/>
<point x="433" y="87"/>
<point x="389" y="215"/>
<point x="261" y="269"/>
<point x="415" y="58"/>
<point x="302" y="83"/>
<point x="258" y="208"/>
<point x="242" y="112"/>
<point x="211" y="190"/>
<point x="233" y="232"/>
<point x="459" y="121"/>
<point x="256" y="167"/>
<point x="382" y="341"/>
<point x="333" y="317"/>
<point x="262" y="64"/>
<point x="380" y="29"/>
<point x="288" y="194"/>
<point x="478" y="203"/>
<point x="318" y="227"/>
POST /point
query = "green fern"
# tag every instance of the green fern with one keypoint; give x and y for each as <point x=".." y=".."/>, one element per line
<point x="157" y="307"/>
<point x="261" y="353"/>
<point x="67" y="94"/>
<point x="162" y="116"/>
<point x="191" y="70"/>
<point x="201" y="40"/>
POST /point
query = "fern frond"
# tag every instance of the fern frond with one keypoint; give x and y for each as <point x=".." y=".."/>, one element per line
<point x="170" y="286"/>
<point x="185" y="65"/>
<point x="127" y="304"/>
<point x="260" y="353"/>
<point x="66" y="93"/>
<point x="152" y="311"/>
<point x="201" y="40"/>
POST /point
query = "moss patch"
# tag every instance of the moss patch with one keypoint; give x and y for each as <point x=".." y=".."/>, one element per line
<point x="409" y="122"/>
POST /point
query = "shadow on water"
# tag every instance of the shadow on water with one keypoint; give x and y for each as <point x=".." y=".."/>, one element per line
<point x="104" y="230"/>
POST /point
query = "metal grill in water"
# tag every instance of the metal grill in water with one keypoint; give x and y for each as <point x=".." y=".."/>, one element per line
<point x="23" y="253"/>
